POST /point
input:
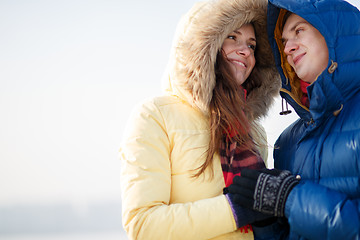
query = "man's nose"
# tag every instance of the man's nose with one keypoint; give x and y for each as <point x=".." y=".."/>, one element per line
<point x="290" y="46"/>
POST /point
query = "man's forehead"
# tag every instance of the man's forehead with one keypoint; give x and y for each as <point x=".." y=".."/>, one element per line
<point x="293" y="21"/>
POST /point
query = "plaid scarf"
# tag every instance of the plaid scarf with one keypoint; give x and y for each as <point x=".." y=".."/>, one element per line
<point x="234" y="158"/>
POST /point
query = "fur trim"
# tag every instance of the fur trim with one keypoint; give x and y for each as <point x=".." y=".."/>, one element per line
<point x="199" y="38"/>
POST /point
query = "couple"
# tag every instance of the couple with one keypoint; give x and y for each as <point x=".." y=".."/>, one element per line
<point x="192" y="160"/>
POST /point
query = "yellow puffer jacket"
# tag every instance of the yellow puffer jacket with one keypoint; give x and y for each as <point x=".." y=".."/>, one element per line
<point x="160" y="197"/>
<point x="167" y="137"/>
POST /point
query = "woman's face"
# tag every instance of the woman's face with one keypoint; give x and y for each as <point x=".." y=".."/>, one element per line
<point x="239" y="52"/>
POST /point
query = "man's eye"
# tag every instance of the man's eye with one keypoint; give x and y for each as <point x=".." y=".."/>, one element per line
<point x="297" y="31"/>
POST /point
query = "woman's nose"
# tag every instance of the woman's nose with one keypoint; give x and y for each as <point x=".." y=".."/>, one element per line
<point x="243" y="50"/>
<point x="290" y="47"/>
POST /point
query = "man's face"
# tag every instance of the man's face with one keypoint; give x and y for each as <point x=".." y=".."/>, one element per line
<point x="305" y="48"/>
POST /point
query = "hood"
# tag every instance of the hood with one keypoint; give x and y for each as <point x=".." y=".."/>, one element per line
<point x="339" y="23"/>
<point x="199" y="37"/>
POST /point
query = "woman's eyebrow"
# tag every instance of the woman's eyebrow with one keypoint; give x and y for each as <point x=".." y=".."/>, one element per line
<point x="236" y="31"/>
<point x="251" y="39"/>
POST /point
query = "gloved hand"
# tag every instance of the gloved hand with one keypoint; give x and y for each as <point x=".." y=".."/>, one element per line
<point x="244" y="216"/>
<point x="263" y="190"/>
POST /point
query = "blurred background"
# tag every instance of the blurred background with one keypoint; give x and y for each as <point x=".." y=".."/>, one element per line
<point x="70" y="73"/>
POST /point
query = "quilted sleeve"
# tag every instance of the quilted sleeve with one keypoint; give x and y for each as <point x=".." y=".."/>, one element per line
<point x="317" y="212"/>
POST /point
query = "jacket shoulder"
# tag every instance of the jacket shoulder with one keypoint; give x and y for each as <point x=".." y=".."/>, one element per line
<point x="170" y="113"/>
<point x="161" y="102"/>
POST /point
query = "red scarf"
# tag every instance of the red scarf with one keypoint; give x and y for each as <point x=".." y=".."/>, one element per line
<point x="234" y="158"/>
<point x="305" y="98"/>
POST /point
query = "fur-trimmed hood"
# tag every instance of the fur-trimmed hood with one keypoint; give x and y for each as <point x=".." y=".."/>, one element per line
<point x="199" y="37"/>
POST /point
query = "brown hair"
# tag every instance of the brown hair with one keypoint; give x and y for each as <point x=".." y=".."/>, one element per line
<point x="294" y="79"/>
<point x="228" y="111"/>
<point x="285" y="18"/>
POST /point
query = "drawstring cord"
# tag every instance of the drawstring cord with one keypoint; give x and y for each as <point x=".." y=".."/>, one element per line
<point x="287" y="111"/>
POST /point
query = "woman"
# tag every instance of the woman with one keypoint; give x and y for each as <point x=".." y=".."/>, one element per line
<point x="173" y="168"/>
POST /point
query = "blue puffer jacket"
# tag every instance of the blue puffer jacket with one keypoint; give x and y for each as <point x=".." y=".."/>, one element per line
<point x="323" y="145"/>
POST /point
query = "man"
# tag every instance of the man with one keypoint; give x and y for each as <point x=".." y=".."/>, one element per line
<point x="316" y="183"/>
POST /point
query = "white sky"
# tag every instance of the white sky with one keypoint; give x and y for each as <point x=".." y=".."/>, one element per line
<point x="70" y="73"/>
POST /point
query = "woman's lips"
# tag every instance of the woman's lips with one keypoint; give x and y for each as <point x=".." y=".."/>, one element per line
<point x="238" y="62"/>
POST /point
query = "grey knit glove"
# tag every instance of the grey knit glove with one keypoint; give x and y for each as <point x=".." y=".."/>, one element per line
<point x="263" y="190"/>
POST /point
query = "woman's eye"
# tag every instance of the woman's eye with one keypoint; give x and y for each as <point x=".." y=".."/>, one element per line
<point x="252" y="47"/>
<point x="232" y="37"/>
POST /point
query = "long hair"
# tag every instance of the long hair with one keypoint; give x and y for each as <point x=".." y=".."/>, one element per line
<point x="228" y="112"/>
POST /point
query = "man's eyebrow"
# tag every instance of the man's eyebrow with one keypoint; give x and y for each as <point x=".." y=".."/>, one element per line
<point x="293" y="28"/>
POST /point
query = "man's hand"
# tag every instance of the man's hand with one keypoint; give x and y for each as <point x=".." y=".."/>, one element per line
<point x="263" y="190"/>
